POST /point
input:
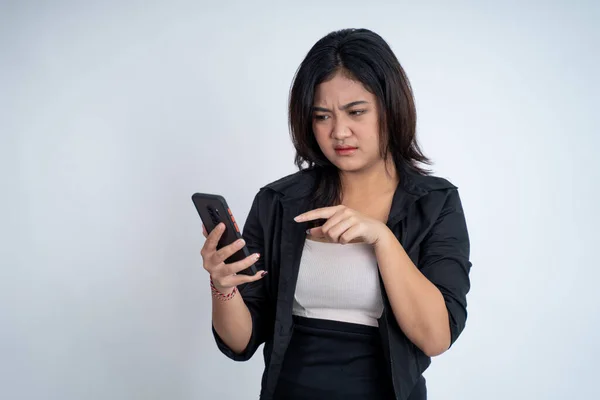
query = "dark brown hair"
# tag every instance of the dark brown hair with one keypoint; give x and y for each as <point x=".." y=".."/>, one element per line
<point x="365" y="57"/>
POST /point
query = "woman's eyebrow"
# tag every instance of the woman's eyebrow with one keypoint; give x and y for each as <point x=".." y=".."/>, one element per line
<point x="342" y="108"/>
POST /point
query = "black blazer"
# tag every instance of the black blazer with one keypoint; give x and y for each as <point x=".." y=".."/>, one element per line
<point x="427" y="218"/>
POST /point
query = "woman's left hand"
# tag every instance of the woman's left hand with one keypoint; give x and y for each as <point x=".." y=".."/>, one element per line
<point x="344" y="225"/>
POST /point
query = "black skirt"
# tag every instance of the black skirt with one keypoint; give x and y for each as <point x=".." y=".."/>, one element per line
<point x="336" y="360"/>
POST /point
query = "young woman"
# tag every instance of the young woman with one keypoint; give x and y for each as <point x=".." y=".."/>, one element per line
<point x="363" y="256"/>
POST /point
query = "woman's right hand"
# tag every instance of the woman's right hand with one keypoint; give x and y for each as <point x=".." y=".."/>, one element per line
<point x="224" y="275"/>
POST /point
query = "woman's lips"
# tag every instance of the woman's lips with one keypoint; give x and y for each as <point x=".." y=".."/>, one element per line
<point x="345" y="151"/>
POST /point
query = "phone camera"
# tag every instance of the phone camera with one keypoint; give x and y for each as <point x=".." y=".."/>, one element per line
<point x="214" y="215"/>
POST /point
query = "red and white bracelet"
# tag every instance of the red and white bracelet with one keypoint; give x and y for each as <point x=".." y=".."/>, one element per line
<point x="219" y="295"/>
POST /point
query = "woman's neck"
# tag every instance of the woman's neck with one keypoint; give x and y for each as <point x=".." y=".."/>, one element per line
<point x="371" y="183"/>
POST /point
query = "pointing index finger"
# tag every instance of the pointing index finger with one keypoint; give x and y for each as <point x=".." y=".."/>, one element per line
<point x="318" y="213"/>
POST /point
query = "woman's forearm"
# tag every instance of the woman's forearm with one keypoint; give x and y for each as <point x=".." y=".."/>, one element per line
<point x="417" y="304"/>
<point x="232" y="321"/>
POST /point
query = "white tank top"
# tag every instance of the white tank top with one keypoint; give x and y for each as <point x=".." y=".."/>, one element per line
<point x="338" y="282"/>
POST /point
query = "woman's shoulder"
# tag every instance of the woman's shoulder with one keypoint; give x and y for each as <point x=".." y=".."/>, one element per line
<point x="427" y="183"/>
<point x="296" y="184"/>
<point x="432" y="191"/>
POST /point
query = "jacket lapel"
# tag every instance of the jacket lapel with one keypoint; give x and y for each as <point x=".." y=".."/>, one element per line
<point x="406" y="194"/>
<point x="293" y="235"/>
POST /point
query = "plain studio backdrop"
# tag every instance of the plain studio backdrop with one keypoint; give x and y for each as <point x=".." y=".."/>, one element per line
<point x="112" y="114"/>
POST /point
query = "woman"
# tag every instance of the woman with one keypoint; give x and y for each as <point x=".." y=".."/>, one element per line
<point x="363" y="256"/>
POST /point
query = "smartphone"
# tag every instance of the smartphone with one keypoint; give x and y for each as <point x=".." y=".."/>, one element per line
<point x="213" y="209"/>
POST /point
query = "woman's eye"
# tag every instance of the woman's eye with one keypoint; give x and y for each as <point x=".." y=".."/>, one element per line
<point x="357" y="112"/>
<point x="321" y="117"/>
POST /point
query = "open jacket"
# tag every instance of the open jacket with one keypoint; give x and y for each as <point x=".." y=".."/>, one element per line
<point x="426" y="216"/>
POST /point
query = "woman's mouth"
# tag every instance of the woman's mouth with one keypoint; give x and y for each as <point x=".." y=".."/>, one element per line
<point x="345" y="151"/>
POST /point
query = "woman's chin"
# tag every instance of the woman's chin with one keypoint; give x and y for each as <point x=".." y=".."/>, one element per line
<point x="349" y="166"/>
<point x="356" y="165"/>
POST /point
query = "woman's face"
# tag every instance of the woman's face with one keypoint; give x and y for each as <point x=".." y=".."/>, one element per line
<point x="345" y="124"/>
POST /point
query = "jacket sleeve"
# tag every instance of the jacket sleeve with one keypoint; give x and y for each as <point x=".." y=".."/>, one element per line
<point x="253" y="293"/>
<point x="445" y="261"/>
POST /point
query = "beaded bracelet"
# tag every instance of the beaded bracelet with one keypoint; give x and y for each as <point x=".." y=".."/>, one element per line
<point x="219" y="295"/>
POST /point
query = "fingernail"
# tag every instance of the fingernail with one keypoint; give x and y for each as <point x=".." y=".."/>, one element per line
<point x="263" y="273"/>
<point x="241" y="242"/>
<point x="298" y="219"/>
<point x="308" y="231"/>
<point x="257" y="256"/>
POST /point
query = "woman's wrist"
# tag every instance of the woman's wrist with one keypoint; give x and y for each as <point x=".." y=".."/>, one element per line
<point x="384" y="238"/>
<point x="220" y="292"/>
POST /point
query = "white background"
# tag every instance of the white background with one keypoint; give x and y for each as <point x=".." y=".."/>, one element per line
<point x="113" y="113"/>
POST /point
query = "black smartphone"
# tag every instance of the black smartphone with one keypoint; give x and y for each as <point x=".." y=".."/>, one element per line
<point x="213" y="209"/>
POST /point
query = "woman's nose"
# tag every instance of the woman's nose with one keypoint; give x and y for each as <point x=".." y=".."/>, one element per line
<point x="340" y="131"/>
